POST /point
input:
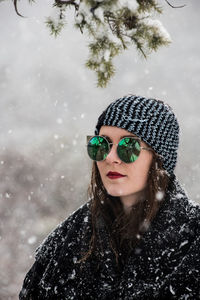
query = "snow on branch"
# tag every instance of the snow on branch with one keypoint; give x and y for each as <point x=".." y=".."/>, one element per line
<point x="112" y="27"/>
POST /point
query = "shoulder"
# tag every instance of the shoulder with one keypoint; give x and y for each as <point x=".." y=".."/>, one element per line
<point x="68" y="227"/>
<point x="178" y="219"/>
<point x="181" y="206"/>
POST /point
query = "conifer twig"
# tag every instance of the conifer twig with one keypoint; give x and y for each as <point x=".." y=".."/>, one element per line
<point x="16" y="9"/>
<point x="67" y="2"/>
<point x="180" y="6"/>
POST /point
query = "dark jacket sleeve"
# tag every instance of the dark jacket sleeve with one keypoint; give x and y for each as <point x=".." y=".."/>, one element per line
<point x="183" y="282"/>
<point x="29" y="290"/>
<point x="45" y="253"/>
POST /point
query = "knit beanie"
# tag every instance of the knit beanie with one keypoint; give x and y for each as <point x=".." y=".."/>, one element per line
<point x="149" y="119"/>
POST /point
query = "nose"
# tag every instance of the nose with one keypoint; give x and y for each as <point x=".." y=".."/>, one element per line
<point x="113" y="157"/>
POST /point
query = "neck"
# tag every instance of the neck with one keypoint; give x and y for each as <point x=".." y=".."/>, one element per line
<point x="131" y="200"/>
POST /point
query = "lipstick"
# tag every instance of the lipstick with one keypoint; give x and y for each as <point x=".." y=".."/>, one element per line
<point x="115" y="175"/>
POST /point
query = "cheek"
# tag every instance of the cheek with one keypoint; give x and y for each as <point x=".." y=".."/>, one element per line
<point x="100" y="167"/>
<point x="139" y="171"/>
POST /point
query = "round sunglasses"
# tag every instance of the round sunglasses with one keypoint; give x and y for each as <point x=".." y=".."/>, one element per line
<point x="128" y="148"/>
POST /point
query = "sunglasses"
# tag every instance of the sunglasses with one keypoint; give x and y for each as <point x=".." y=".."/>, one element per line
<point x="128" y="148"/>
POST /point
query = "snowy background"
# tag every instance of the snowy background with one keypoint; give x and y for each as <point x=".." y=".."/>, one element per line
<point x="49" y="103"/>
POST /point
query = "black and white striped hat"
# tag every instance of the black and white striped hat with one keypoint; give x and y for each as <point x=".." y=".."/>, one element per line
<point x="150" y="119"/>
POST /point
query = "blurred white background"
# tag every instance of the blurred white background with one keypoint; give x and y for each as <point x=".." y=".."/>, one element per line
<point x="50" y="102"/>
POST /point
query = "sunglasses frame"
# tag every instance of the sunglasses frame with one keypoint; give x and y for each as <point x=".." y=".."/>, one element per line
<point x="89" y="137"/>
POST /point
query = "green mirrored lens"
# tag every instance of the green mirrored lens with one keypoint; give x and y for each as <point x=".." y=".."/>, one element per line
<point x="98" y="148"/>
<point x="128" y="149"/>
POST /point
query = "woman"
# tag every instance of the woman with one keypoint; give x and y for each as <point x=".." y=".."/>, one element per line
<point x="138" y="235"/>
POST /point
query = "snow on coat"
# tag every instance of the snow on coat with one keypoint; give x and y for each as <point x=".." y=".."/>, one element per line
<point x="165" y="265"/>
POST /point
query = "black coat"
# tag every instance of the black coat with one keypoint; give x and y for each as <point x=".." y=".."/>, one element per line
<point x="165" y="265"/>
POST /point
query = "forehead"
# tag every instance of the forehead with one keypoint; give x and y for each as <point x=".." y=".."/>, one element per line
<point x="115" y="132"/>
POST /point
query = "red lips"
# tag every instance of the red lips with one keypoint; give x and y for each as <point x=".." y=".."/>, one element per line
<point x="115" y="175"/>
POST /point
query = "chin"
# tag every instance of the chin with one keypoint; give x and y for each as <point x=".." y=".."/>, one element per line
<point x="115" y="192"/>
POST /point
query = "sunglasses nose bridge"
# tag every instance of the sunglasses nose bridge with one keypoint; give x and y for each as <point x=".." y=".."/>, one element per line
<point x="112" y="155"/>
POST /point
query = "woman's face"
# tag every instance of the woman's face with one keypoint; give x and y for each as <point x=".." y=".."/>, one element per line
<point x="135" y="175"/>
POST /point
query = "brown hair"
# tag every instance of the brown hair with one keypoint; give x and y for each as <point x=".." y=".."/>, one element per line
<point x="125" y="230"/>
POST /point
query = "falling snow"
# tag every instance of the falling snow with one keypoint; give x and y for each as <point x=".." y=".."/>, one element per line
<point x="47" y="97"/>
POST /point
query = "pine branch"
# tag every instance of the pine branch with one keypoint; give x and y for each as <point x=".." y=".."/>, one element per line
<point x="112" y="26"/>
<point x="55" y="29"/>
